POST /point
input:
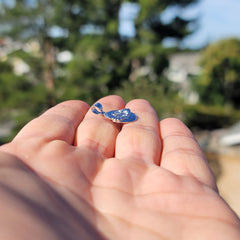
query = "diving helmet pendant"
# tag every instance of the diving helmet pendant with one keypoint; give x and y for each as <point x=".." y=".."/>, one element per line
<point x="119" y="116"/>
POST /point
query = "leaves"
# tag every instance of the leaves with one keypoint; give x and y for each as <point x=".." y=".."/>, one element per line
<point x="220" y="80"/>
<point x="103" y="61"/>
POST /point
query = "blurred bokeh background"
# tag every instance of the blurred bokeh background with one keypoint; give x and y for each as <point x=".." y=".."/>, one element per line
<point x="181" y="55"/>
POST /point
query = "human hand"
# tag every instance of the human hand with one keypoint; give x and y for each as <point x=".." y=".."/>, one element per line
<point x="142" y="180"/>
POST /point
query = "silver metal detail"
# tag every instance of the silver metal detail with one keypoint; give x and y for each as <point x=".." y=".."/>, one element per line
<point x="120" y="116"/>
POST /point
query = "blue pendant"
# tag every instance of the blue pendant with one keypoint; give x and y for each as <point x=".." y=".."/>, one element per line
<point x="120" y="116"/>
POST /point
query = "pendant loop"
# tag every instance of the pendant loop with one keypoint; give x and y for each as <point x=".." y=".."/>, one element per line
<point x="96" y="107"/>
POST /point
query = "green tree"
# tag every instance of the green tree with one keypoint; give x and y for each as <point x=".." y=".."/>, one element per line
<point x="61" y="24"/>
<point x="219" y="83"/>
<point x="102" y="58"/>
<point x="16" y="97"/>
<point x="53" y="24"/>
<point x="161" y="96"/>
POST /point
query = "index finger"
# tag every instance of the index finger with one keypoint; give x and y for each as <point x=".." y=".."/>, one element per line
<point x="57" y="123"/>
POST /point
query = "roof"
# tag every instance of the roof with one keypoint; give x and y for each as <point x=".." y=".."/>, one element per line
<point x="181" y="65"/>
<point x="231" y="136"/>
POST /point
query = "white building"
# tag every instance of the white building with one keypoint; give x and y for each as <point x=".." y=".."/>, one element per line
<point x="181" y="67"/>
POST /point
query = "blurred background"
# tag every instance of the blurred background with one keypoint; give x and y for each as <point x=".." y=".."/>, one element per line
<point x="181" y="55"/>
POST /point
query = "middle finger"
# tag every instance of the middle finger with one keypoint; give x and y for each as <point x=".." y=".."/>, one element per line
<point x="140" y="140"/>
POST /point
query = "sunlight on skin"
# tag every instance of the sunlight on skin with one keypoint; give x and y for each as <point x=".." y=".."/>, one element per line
<point x="142" y="180"/>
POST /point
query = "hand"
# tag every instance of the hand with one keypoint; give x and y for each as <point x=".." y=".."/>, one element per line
<point x="143" y="180"/>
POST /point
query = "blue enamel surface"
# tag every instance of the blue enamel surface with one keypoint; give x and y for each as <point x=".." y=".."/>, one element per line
<point x="131" y="118"/>
<point x="99" y="106"/>
<point x="96" y="111"/>
<point x="123" y="116"/>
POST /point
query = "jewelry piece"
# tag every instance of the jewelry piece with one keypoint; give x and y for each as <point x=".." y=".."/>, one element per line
<point x="120" y="116"/>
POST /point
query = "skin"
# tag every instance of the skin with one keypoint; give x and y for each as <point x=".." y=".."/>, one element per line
<point x="71" y="174"/>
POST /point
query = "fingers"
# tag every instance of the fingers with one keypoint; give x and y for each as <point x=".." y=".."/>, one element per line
<point x="140" y="140"/>
<point x="181" y="153"/>
<point x="57" y="123"/>
<point x="97" y="132"/>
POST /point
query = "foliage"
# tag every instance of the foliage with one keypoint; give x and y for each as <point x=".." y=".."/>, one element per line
<point x="98" y="65"/>
<point x="52" y="24"/>
<point x="103" y="60"/>
<point x="24" y="91"/>
<point x="19" y="98"/>
<point x="161" y="96"/>
<point x="219" y="83"/>
<point x="41" y="19"/>
<point x="203" y="116"/>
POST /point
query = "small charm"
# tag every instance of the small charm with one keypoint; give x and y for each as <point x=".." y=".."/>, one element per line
<point x="120" y="116"/>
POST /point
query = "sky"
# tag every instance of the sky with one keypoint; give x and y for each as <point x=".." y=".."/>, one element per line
<point x="217" y="19"/>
